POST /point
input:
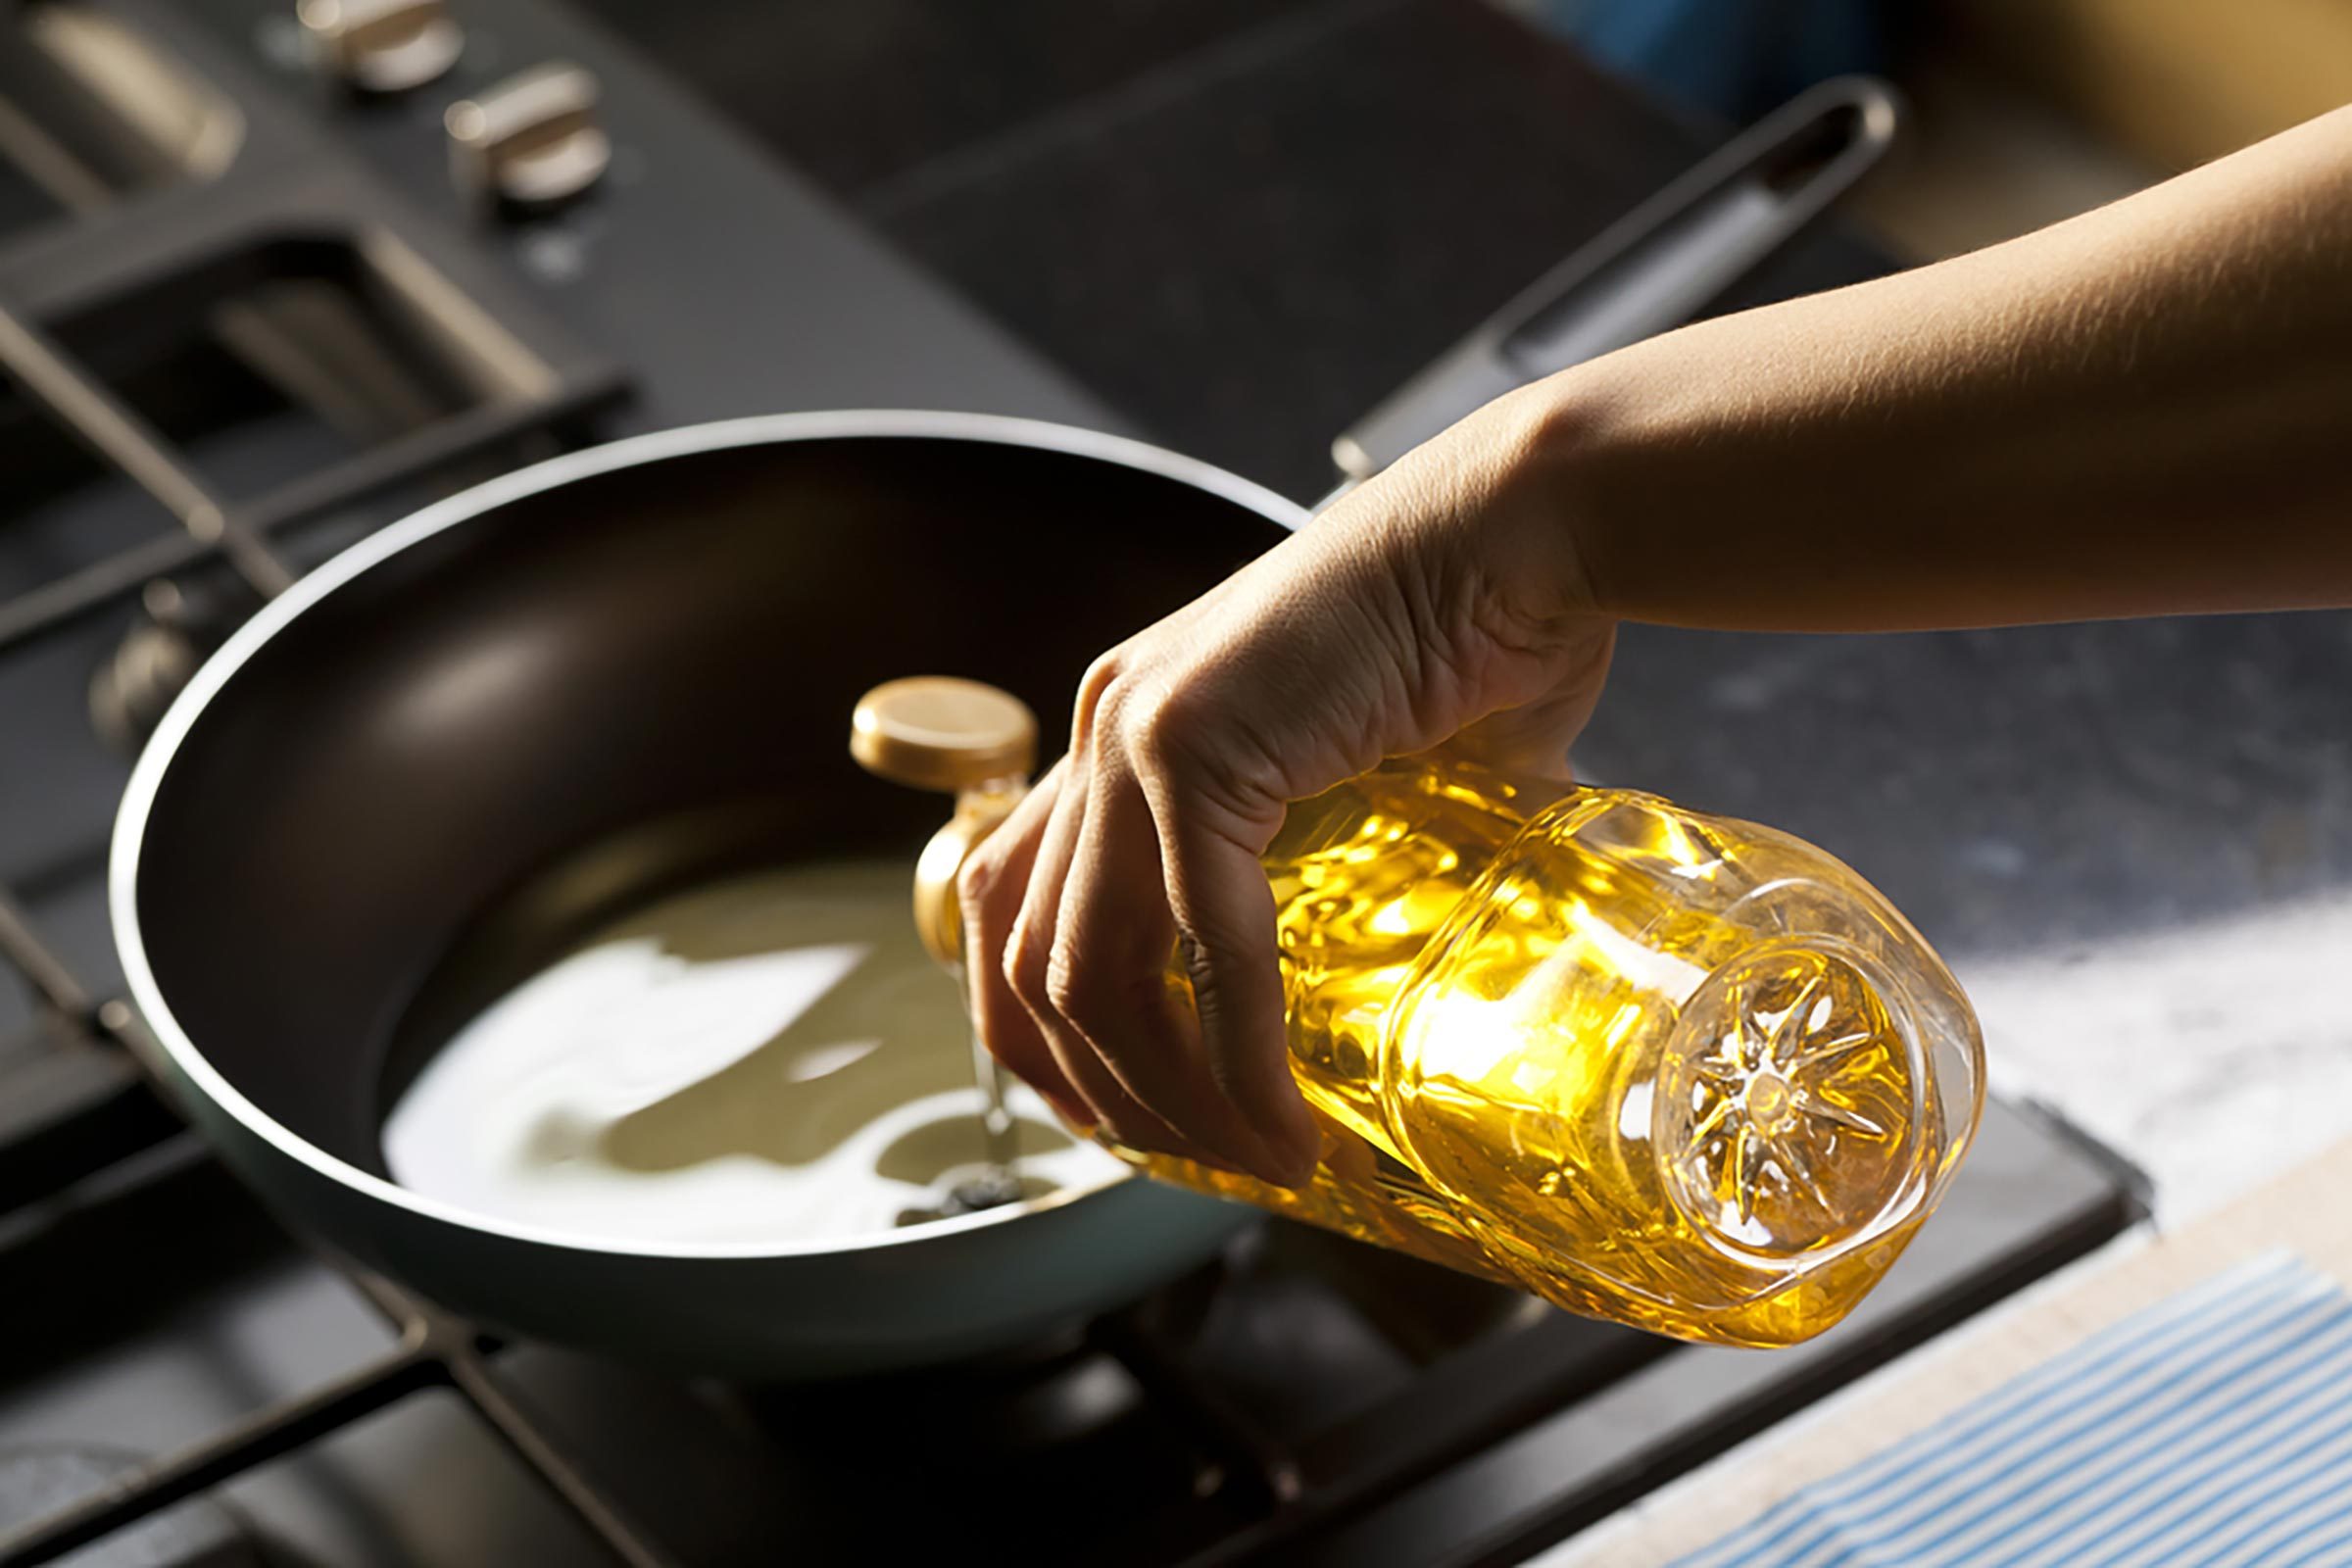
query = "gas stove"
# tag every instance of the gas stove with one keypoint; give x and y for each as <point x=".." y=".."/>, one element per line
<point x="269" y="281"/>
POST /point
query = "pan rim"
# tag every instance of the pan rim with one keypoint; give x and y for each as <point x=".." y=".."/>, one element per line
<point x="154" y="764"/>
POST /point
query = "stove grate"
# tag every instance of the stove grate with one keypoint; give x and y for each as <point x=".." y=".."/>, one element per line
<point x="434" y="1350"/>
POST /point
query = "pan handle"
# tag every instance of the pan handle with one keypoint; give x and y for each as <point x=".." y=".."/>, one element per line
<point x="1650" y="271"/>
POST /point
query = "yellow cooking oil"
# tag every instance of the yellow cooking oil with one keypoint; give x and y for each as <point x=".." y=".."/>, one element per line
<point x="1590" y="1051"/>
<point x="1656" y="1066"/>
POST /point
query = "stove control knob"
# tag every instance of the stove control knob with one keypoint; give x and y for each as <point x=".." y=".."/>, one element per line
<point x="382" y="45"/>
<point x="172" y="634"/>
<point x="531" y="141"/>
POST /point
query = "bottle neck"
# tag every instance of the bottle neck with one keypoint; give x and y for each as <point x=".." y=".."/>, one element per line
<point x="937" y="916"/>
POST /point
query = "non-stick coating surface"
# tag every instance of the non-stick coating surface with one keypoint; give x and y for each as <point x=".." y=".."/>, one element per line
<point x="663" y="639"/>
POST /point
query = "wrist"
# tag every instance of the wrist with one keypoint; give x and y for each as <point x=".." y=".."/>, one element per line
<point x="1554" y="444"/>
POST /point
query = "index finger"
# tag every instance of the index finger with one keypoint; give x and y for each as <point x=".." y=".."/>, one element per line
<point x="1224" y="911"/>
<point x="988" y="892"/>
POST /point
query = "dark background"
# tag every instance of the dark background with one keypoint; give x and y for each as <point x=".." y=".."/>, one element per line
<point x="1241" y="221"/>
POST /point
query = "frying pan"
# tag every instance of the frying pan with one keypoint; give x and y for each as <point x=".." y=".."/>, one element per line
<point x="631" y="666"/>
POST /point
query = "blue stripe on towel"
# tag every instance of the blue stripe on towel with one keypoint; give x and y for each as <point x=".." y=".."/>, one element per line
<point x="2212" y="1429"/>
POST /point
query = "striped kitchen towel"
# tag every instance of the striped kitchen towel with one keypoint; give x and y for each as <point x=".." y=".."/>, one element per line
<point x="2213" y="1428"/>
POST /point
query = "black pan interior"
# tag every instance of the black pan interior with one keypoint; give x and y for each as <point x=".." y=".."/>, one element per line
<point x="595" y="691"/>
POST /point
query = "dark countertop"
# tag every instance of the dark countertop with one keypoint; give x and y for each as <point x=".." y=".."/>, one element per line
<point x="1241" y="223"/>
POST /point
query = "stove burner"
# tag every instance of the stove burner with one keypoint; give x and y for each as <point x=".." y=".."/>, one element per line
<point x="991" y="1189"/>
<point x="199" y="1533"/>
<point x="174" y="630"/>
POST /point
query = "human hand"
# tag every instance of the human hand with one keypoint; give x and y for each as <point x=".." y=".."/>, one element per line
<point x="1442" y="599"/>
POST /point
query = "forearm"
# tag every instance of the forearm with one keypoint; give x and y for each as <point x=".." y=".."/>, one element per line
<point x="2146" y="410"/>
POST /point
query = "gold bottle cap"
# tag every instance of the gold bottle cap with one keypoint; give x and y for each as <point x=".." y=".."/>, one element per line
<point x="936" y="732"/>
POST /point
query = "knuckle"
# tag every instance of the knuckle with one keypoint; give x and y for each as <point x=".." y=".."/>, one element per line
<point x="1027" y="963"/>
<point x="1064" y="991"/>
<point x="1064" y="982"/>
<point x="1099" y="674"/>
<point x="1097" y="690"/>
<point x="1206" y="986"/>
<point x="1156" y="724"/>
<point x="1212" y="973"/>
<point x="1211" y="948"/>
<point x="980" y="875"/>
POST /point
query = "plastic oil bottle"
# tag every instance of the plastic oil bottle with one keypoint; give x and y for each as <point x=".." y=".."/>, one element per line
<point x="1659" y="1067"/>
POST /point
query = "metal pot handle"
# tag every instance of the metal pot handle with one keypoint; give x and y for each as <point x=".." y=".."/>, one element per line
<point x="1650" y="271"/>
